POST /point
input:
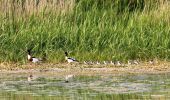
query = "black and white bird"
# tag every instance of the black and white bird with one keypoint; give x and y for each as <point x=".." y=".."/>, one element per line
<point x="32" y="59"/>
<point x="69" y="59"/>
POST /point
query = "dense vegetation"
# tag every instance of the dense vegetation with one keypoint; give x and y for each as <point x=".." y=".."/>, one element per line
<point x="88" y="29"/>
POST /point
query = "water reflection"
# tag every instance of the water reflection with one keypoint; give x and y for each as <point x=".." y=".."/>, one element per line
<point x="98" y="87"/>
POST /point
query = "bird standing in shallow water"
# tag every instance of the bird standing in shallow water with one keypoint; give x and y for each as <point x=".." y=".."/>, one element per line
<point x="32" y="59"/>
<point x="69" y="59"/>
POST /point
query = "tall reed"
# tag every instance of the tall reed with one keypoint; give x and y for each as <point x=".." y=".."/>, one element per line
<point x="88" y="29"/>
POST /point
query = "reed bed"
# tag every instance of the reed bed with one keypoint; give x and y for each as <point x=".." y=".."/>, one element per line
<point x="88" y="29"/>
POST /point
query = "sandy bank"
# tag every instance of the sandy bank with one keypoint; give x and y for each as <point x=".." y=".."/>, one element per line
<point x="162" y="67"/>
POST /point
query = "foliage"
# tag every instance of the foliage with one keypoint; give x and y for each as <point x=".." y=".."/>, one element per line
<point x="88" y="29"/>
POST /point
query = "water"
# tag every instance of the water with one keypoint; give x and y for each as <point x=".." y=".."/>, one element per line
<point x="15" y="86"/>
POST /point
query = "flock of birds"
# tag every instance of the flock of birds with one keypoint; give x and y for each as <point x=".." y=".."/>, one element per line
<point x="71" y="60"/>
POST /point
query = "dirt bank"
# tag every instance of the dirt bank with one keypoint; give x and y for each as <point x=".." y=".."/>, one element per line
<point x="161" y="67"/>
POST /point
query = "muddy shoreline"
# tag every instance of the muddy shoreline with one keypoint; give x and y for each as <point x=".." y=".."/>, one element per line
<point x="163" y="67"/>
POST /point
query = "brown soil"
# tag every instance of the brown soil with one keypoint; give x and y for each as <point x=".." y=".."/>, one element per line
<point x="161" y="67"/>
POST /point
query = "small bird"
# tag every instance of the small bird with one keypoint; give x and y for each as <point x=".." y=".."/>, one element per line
<point x="69" y="59"/>
<point x="85" y="62"/>
<point x="88" y="62"/>
<point x="32" y="59"/>
<point x="136" y="62"/>
<point x="98" y="63"/>
<point x="151" y="62"/>
<point x="105" y="62"/>
<point x="118" y="63"/>
<point x="112" y="63"/>
<point x="130" y="62"/>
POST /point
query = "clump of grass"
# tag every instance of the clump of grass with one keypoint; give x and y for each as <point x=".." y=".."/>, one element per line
<point x="91" y="30"/>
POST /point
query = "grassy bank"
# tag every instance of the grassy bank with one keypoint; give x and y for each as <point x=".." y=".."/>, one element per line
<point x="89" y="29"/>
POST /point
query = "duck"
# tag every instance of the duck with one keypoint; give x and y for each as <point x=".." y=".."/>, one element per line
<point x="151" y="62"/>
<point x="69" y="59"/>
<point x="112" y="63"/>
<point x="136" y="62"/>
<point x="118" y="63"/>
<point x="98" y="63"/>
<point x="32" y="59"/>
<point x="91" y="63"/>
<point x="130" y="62"/>
<point x="105" y="62"/>
<point x="85" y="62"/>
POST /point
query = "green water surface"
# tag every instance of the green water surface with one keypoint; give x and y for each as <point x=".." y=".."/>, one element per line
<point x="15" y="86"/>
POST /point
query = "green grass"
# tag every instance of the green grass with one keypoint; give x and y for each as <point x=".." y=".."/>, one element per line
<point x="91" y="30"/>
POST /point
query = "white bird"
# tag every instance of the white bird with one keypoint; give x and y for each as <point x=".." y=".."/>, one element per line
<point x="98" y="63"/>
<point x="112" y="63"/>
<point x="118" y="63"/>
<point x="151" y="62"/>
<point x="85" y="62"/>
<point x="105" y="62"/>
<point x="69" y="59"/>
<point x="129" y="62"/>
